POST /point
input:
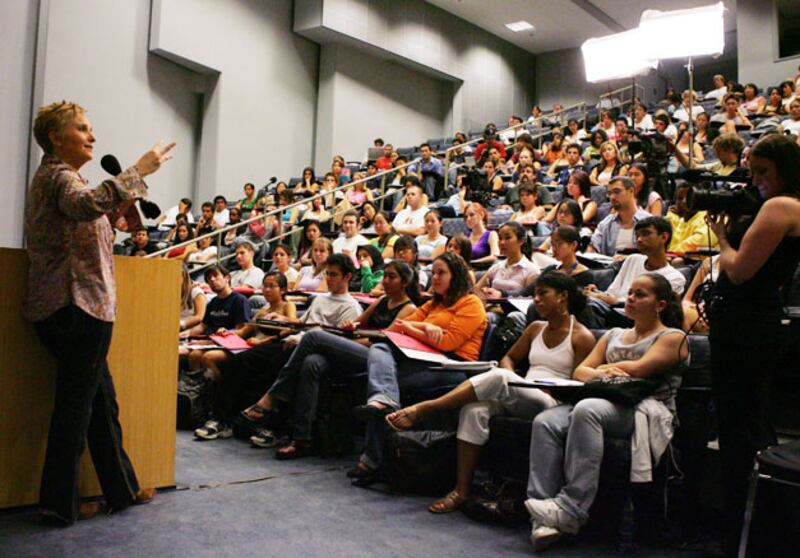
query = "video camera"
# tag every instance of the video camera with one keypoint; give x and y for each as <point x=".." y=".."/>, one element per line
<point x="653" y="146"/>
<point x="732" y="200"/>
<point x="478" y="190"/>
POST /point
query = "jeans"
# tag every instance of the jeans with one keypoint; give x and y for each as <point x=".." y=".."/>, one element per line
<point x="567" y="449"/>
<point x="318" y="353"/>
<point x="247" y="373"/>
<point x="389" y="373"/>
<point x="85" y="408"/>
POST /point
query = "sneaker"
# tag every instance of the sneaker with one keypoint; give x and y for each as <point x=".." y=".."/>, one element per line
<point x="543" y="537"/>
<point x="264" y="438"/>
<point x="549" y="514"/>
<point x="212" y="430"/>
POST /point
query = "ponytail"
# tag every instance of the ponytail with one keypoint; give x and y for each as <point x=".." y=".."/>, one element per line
<point x="672" y="314"/>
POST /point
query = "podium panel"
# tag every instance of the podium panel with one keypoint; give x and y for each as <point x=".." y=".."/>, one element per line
<point x="143" y="360"/>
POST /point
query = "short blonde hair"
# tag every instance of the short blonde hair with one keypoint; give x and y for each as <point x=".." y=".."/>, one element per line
<point x="54" y="118"/>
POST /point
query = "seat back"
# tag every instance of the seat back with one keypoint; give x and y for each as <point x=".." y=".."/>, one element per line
<point x="487" y="336"/>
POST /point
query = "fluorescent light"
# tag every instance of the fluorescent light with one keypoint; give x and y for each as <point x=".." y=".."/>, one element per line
<point x="518" y="26"/>
<point x="615" y="56"/>
<point x="683" y="33"/>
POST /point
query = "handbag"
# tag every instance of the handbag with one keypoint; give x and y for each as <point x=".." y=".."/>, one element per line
<point x="623" y="390"/>
<point x="421" y="462"/>
<point x="498" y="503"/>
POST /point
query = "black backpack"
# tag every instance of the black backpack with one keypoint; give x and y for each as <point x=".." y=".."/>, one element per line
<point x="421" y="462"/>
<point x="195" y="400"/>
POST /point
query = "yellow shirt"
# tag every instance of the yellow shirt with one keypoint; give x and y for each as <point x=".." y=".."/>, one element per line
<point x="691" y="235"/>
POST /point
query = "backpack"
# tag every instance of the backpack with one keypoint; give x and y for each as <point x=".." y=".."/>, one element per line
<point x="195" y="400"/>
<point x="420" y="462"/>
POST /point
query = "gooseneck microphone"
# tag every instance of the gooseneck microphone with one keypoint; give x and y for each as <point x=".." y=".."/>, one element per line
<point x="111" y="165"/>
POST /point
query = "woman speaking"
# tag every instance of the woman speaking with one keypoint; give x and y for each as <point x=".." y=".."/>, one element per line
<point x="756" y="261"/>
<point x="71" y="302"/>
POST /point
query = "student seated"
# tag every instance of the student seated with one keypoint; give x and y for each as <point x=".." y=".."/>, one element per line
<point x="193" y="302"/>
<point x="565" y="241"/>
<point x="461" y="246"/>
<point x="411" y="219"/>
<point x="265" y="360"/>
<point x="311" y="232"/>
<point x="371" y="266"/>
<point x="453" y="322"/>
<point x="509" y="276"/>
<point x="207" y="217"/>
<point x="169" y="218"/>
<point x="432" y="243"/>
<point x="731" y="116"/>
<point x="615" y="231"/>
<point x="183" y="233"/>
<point x="248" y="275"/>
<point x="203" y="250"/>
<point x="690" y="231"/>
<point x="485" y="247"/>
<point x="386" y="235"/>
<point x="141" y="245"/>
<point x="227" y="310"/>
<point x="531" y="212"/>
<point x="728" y="148"/>
<point x="652" y="238"/>
<point x="693" y="321"/>
<point x="321" y="353"/>
<point x="312" y="277"/>
<point x="221" y="213"/>
<point x="579" y="189"/>
<point x="646" y="198"/>
<point x="562" y="169"/>
<point x="792" y="124"/>
<point x="350" y="239"/>
<point x="282" y="261"/>
<point x="610" y="165"/>
<point x="567" y="441"/>
<point x="277" y="308"/>
<point x="568" y="214"/>
<point x="235" y="217"/>
<point x="552" y="348"/>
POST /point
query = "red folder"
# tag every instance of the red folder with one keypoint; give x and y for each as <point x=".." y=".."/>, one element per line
<point x="415" y="349"/>
<point x="231" y="342"/>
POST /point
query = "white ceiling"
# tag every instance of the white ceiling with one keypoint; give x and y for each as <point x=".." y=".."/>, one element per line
<point x="562" y="23"/>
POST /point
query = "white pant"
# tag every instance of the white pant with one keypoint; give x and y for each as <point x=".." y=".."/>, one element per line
<point x="496" y="397"/>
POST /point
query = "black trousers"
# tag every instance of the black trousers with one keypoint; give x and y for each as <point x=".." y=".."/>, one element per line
<point x="85" y="409"/>
<point x="742" y="367"/>
<point x="246" y="377"/>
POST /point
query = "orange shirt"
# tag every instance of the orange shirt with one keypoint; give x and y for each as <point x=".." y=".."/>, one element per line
<point x="463" y="323"/>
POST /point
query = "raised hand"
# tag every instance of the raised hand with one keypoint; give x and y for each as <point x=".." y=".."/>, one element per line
<point x="151" y="161"/>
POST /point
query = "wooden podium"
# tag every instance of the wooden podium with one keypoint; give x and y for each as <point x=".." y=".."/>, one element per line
<point x="143" y="360"/>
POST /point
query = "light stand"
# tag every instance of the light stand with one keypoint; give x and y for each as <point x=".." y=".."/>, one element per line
<point x="690" y="69"/>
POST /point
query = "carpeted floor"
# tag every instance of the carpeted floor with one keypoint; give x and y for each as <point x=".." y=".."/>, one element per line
<point x="236" y="501"/>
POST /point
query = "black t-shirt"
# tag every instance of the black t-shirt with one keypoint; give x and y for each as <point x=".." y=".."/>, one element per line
<point x="226" y="312"/>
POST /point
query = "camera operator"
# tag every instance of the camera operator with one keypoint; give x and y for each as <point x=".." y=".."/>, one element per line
<point x="758" y="257"/>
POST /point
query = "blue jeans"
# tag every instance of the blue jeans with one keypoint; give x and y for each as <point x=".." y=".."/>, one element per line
<point x="389" y="373"/>
<point x="318" y="353"/>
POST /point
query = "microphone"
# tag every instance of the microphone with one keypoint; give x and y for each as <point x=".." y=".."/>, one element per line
<point x="111" y="165"/>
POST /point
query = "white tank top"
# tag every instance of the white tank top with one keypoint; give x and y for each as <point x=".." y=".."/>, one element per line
<point x="557" y="362"/>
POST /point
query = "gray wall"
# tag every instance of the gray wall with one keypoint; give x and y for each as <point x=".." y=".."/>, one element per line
<point x="488" y="78"/>
<point x="758" y="53"/>
<point x="261" y="92"/>
<point x="18" y="40"/>
<point x="362" y="97"/>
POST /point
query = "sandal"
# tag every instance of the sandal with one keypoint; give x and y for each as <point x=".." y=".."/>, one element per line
<point x="404" y="419"/>
<point x="257" y="409"/>
<point x="449" y="503"/>
<point x="295" y="450"/>
<point x="368" y="412"/>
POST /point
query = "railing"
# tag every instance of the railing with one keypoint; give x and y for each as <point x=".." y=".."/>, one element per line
<point x="633" y="89"/>
<point x="279" y="212"/>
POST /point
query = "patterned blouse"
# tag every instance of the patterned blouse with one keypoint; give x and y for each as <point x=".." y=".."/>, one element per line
<point x="70" y="239"/>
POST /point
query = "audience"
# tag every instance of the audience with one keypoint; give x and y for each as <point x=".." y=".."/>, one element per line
<point x="350" y="239"/>
<point x="509" y="276"/>
<point x="248" y="275"/>
<point x="453" y="323"/>
<point x="485" y="247"/>
<point x="432" y="243"/>
<point x="411" y="220"/>
<point x="690" y="231"/>
<point x="312" y="276"/>
<point x="615" y="232"/>
<point x="567" y="441"/>
<point x="550" y="348"/>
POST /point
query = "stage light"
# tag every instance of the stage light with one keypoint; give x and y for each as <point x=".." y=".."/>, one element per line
<point x="683" y="33"/>
<point x="615" y="56"/>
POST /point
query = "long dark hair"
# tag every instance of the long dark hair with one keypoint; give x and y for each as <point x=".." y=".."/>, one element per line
<point x="672" y="314"/>
<point x="305" y="244"/>
<point x="384" y="238"/>
<point x="374" y="253"/>
<point x="460" y="281"/>
<point x="410" y="278"/>
<point x="303" y="176"/>
<point x="575" y="210"/>
<point x="785" y="154"/>
<point x="644" y="193"/>
<point x="280" y="278"/>
<point x="521" y="234"/>
<point x="563" y="283"/>
<point x="464" y="246"/>
<point x="581" y="178"/>
<point x="407" y="242"/>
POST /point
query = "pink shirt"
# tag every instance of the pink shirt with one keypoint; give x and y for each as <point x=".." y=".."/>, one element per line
<point x="70" y="239"/>
<point x="511" y="279"/>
